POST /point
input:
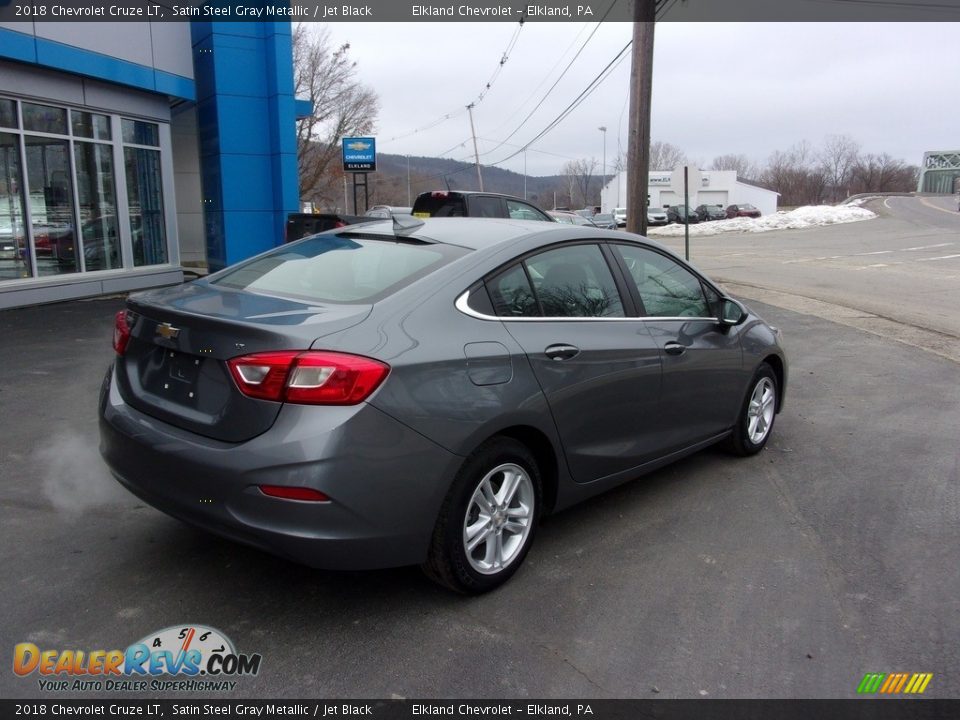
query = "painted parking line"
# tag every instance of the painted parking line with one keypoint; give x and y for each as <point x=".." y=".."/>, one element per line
<point x="942" y="257"/>
<point x="875" y="252"/>
<point x="926" y="247"/>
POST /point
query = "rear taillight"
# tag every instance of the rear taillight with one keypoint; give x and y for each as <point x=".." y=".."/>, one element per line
<point x="121" y="332"/>
<point x="308" y="378"/>
<point x="439" y="194"/>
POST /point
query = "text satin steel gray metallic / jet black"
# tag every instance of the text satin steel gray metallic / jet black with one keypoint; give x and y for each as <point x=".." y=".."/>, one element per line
<point x="422" y="392"/>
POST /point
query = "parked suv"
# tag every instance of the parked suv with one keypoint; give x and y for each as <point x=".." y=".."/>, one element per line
<point x="466" y="203"/>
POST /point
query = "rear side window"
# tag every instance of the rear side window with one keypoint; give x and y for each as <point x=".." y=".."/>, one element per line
<point x="487" y="207"/>
<point x="440" y="206"/>
<point x="574" y="282"/>
<point x="339" y="268"/>
<point x="512" y="295"/>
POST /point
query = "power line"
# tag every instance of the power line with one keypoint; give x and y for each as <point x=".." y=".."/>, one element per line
<point x="504" y="56"/>
<point x="557" y="81"/>
<point x="587" y="91"/>
<point x="546" y="77"/>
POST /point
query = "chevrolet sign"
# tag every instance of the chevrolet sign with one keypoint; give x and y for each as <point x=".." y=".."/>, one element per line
<point x="360" y="154"/>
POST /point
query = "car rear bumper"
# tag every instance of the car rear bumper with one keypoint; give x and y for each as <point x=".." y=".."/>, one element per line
<point x="386" y="482"/>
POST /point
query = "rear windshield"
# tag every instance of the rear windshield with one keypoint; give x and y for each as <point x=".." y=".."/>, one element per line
<point x="339" y="268"/>
<point x="440" y="206"/>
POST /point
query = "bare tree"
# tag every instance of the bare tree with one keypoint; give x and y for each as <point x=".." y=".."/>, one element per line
<point x="664" y="156"/>
<point x="738" y="163"/>
<point x="579" y="174"/>
<point x="882" y="173"/>
<point x="342" y="106"/>
<point x="796" y="176"/>
<point x="839" y="156"/>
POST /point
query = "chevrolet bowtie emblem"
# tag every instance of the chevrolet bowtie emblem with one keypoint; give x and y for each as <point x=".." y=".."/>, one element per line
<point x="167" y="330"/>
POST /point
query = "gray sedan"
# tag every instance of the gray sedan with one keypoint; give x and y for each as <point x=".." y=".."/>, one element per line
<point x="422" y="392"/>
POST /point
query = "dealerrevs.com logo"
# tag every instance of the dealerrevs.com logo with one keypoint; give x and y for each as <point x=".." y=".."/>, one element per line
<point x="199" y="658"/>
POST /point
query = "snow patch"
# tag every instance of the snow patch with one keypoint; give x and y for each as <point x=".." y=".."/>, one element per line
<point x="802" y="217"/>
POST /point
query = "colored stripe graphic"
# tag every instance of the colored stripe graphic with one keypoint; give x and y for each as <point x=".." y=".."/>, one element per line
<point x="871" y="682"/>
<point x="894" y="683"/>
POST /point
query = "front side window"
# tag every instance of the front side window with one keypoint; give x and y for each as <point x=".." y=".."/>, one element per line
<point x="667" y="289"/>
<point x="522" y="211"/>
<point x="574" y="281"/>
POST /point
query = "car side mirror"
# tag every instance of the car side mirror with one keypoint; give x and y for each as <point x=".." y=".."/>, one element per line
<point x="732" y="312"/>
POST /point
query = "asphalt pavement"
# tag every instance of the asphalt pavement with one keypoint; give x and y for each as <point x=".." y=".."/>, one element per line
<point x="831" y="554"/>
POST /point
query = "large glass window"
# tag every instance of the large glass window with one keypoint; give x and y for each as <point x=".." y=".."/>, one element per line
<point x="90" y="125"/>
<point x="59" y="175"/>
<point x="145" y="197"/>
<point x="51" y="204"/>
<point x="14" y="253"/>
<point x="137" y="132"/>
<point x="43" y="118"/>
<point x="98" y="211"/>
<point x="8" y="113"/>
<point x="666" y="288"/>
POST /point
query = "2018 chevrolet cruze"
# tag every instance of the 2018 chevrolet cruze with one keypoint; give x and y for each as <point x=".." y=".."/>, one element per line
<point x="407" y="391"/>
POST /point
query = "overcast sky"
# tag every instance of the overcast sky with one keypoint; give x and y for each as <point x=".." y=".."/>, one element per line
<point x="748" y="88"/>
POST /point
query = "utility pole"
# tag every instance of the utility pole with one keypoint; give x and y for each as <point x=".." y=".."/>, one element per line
<point x="408" y="181"/>
<point x="524" y="173"/>
<point x="603" y="129"/>
<point x="641" y="87"/>
<point x="476" y="154"/>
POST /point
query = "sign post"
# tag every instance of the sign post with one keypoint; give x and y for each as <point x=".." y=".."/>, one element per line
<point x="360" y="158"/>
<point x="680" y="181"/>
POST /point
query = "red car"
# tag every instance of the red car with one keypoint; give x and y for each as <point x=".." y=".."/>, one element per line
<point x="742" y="210"/>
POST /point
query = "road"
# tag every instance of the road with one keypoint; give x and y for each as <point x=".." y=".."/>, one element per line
<point x="901" y="269"/>
<point x="831" y="554"/>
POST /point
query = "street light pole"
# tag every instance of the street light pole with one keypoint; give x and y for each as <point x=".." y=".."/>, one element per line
<point x="603" y="129"/>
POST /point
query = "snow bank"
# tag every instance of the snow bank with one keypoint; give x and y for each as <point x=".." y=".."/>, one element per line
<point x="802" y="217"/>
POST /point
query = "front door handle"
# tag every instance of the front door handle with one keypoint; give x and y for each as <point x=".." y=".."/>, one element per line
<point x="674" y="348"/>
<point x="561" y="352"/>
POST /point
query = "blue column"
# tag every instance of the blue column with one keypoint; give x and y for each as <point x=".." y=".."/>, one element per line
<point x="246" y="126"/>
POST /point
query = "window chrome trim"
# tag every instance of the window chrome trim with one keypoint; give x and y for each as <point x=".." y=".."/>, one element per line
<point x="463" y="299"/>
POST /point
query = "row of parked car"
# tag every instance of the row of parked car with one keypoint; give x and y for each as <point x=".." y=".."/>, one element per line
<point x="705" y="213"/>
<point x="468" y="203"/>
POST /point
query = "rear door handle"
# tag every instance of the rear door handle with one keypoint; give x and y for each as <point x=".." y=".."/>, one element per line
<point x="674" y="348"/>
<point x="561" y="352"/>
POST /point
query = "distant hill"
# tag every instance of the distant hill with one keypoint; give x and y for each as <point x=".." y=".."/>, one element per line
<point x="388" y="186"/>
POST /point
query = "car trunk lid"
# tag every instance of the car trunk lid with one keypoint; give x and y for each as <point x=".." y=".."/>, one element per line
<point x="175" y="364"/>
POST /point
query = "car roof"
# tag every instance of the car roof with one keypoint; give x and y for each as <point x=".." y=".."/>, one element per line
<point x="483" y="233"/>
<point x="473" y="192"/>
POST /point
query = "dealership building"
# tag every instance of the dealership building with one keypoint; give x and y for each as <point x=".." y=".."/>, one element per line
<point x="718" y="187"/>
<point x="131" y="150"/>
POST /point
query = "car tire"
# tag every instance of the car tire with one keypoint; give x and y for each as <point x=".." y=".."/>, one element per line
<point x="482" y="536"/>
<point x="757" y="414"/>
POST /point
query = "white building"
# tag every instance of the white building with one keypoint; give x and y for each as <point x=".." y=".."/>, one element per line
<point x="720" y="187"/>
